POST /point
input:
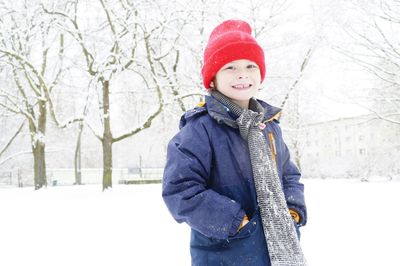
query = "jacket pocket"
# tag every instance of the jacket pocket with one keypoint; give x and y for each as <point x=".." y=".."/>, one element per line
<point x="201" y="241"/>
<point x="246" y="248"/>
<point x="246" y="230"/>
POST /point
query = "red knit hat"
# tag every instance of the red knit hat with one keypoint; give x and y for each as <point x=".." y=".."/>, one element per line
<point x="230" y="41"/>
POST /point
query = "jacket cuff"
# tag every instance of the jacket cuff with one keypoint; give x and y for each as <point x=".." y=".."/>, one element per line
<point x="237" y="220"/>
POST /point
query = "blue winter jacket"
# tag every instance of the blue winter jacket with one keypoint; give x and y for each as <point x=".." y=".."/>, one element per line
<point x="208" y="183"/>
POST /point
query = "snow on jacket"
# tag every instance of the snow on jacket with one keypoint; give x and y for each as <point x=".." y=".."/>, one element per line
<point x="208" y="183"/>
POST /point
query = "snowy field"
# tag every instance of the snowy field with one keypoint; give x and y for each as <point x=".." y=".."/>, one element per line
<point x="351" y="223"/>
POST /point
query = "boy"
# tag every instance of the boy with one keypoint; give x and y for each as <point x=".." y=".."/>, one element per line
<point x="228" y="173"/>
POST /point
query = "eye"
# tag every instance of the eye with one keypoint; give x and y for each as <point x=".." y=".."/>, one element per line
<point x="252" y="66"/>
<point x="229" y="68"/>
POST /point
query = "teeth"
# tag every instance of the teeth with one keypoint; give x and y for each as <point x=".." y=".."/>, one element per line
<point x="241" y="86"/>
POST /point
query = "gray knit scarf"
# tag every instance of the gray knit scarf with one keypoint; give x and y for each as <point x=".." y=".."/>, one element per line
<point x="283" y="245"/>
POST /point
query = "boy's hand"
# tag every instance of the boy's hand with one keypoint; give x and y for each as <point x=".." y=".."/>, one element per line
<point x="244" y="222"/>
<point x="295" y="215"/>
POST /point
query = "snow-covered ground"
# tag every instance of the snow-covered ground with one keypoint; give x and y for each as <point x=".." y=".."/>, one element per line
<point x="351" y="223"/>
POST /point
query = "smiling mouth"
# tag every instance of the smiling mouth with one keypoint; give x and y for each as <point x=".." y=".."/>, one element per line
<point x="242" y="86"/>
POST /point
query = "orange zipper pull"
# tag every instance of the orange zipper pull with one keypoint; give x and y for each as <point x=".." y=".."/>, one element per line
<point x="272" y="145"/>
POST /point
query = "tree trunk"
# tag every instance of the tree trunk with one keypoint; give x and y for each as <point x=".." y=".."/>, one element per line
<point x="297" y="154"/>
<point x="107" y="164"/>
<point x="77" y="159"/>
<point x="39" y="165"/>
<point x="38" y="147"/>
<point x="297" y="125"/>
<point x="107" y="138"/>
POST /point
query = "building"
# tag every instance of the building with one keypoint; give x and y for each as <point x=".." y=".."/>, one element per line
<point x="360" y="146"/>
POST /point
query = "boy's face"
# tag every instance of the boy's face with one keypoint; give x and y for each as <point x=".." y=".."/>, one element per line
<point x="239" y="80"/>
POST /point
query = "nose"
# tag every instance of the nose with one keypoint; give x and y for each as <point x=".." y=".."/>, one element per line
<point x="242" y="74"/>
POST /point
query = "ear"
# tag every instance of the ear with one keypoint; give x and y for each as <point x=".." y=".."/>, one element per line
<point x="212" y="85"/>
<point x="259" y="86"/>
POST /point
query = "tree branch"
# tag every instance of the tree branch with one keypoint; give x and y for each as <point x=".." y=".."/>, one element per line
<point x="14" y="155"/>
<point x="302" y="69"/>
<point x="12" y="138"/>
<point x="380" y="116"/>
<point x="94" y="132"/>
<point x="78" y="36"/>
<point x="145" y="125"/>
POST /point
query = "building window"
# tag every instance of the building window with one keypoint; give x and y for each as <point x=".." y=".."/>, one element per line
<point x="348" y="139"/>
<point x="361" y="151"/>
<point x="361" y="137"/>
<point x="337" y="153"/>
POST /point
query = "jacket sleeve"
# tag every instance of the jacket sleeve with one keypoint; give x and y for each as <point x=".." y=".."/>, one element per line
<point x="292" y="187"/>
<point x="185" y="186"/>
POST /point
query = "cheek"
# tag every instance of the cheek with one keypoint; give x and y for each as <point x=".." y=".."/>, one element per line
<point x="223" y="80"/>
<point x="257" y="77"/>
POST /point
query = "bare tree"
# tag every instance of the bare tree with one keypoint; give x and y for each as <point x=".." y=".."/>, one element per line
<point x="292" y="113"/>
<point x="376" y="48"/>
<point x="128" y="41"/>
<point x="26" y="44"/>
